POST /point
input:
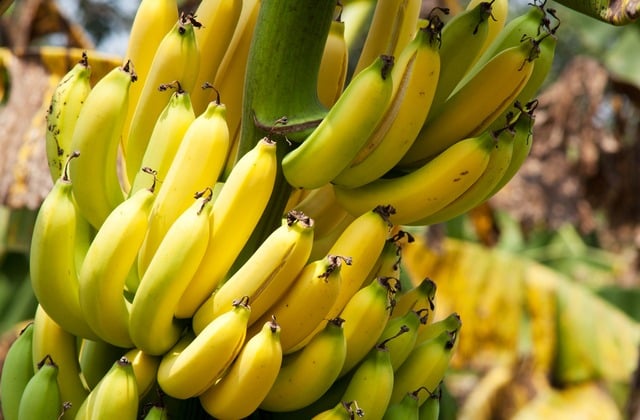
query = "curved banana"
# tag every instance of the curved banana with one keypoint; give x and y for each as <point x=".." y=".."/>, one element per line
<point x="499" y="15"/>
<point x="17" y="370"/>
<point x="365" y="316"/>
<point x="321" y="206"/>
<point x="430" y="408"/>
<point x="406" y="329"/>
<point x="218" y="20"/>
<point x="176" y="58"/>
<point x="41" y="397"/>
<point x="236" y="212"/>
<point x="60" y="236"/>
<point x="115" y="396"/>
<point x="421" y="296"/>
<point x="427" y="189"/>
<point x="50" y="339"/>
<point x="246" y="383"/>
<point x="96" y="358"/>
<point x="157" y="412"/>
<point x="62" y="114"/>
<point x="152" y="326"/>
<point x="415" y="76"/>
<point x="165" y="137"/>
<point x="266" y="275"/>
<point x="308" y="373"/>
<point x="197" y="163"/>
<point x="306" y="303"/>
<point x="332" y="74"/>
<point x="145" y="369"/>
<point x="109" y="260"/>
<point x="406" y="409"/>
<point x="197" y="361"/>
<point x="341" y="411"/>
<point x="96" y="137"/>
<point x="338" y="138"/>
<point x="451" y="322"/>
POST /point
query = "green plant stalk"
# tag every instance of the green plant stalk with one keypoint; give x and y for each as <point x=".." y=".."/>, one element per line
<point x="614" y="12"/>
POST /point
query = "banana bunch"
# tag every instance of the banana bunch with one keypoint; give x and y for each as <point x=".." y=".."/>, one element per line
<point x="145" y="297"/>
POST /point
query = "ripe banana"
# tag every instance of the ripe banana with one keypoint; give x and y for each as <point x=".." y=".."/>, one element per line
<point x="152" y="326"/>
<point x="407" y="326"/>
<point x="421" y="296"/>
<point x="60" y="238"/>
<point x="415" y="76"/>
<point x="62" y="114"/>
<point x="247" y="381"/>
<point x="341" y="411"/>
<point x="176" y="59"/>
<point x="321" y="206"/>
<point x="195" y="363"/>
<point x="266" y="275"/>
<point x="109" y="260"/>
<point x="427" y="189"/>
<point x="145" y="369"/>
<point x="96" y="137"/>
<point x="308" y="373"/>
<point x="41" y="397"/>
<point x="332" y="74"/>
<point x="165" y="137"/>
<point x="236" y="212"/>
<point x="341" y="134"/>
<point x="17" y="370"/>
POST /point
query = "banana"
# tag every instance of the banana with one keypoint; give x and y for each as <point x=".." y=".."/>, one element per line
<point x="96" y="358"/>
<point x="197" y="163"/>
<point x="218" y="19"/>
<point x="266" y="275"/>
<point x="430" y="408"/>
<point x="341" y="411"/>
<point x="497" y="20"/>
<point x="236" y="212"/>
<point x="451" y="322"/>
<point x="474" y="105"/>
<point x="109" y="260"/>
<point x="49" y="339"/>
<point x="246" y="383"/>
<point x="427" y="189"/>
<point x="421" y="296"/>
<point x="115" y="396"/>
<point x="307" y="301"/>
<point x="62" y="114"/>
<point x="152" y="326"/>
<point x="165" y="137"/>
<point x="366" y="315"/>
<point x="156" y="412"/>
<point x="308" y="373"/>
<point x="60" y="236"/>
<point x="342" y="133"/>
<point x="41" y="397"/>
<point x="408" y="324"/>
<point x="406" y="409"/>
<point x="195" y="363"/>
<point x="152" y="21"/>
<point x="321" y="206"/>
<point x="96" y="138"/>
<point x="17" y="370"/>
<point x="415" y="76"/>
<point x="176" y="58"/>
<point x="321" y="245"/>
<point x="332" y="74"/>
<point x="145" y="369"/>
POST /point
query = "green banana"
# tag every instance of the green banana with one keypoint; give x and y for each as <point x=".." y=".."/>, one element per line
<point x="408" y="324"/>
<point x="41" y="396"/>
<point x="406" y="409"/>
<point x="430" y="409"/>
<point x="96" y="358"/>
<point x="17" y="370"/>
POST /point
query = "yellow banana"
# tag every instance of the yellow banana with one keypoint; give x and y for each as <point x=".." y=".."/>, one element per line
<point x="195" y="363"/>
<point x="165" y="138"/>
<point x="145" y="369"/>
<point x="218" y="19"/>
<point x="50" y="339"/>
<point x="266" y="275"/>
<point x="96" y="138"/>
<point x="308" y="373"/>
<point x="499" y="15"/>
<point x="338" y="138"/>
<point x="334" y="65"/>
<point x="152" y="21"/>
<point x="197" y="163"/>
<point x="152" y="326"/>
<point x="307" y="301"/>
<point x="115" y="396"/>
<point x="415" y="77"/>
<point x="348" y="410"/>
<point x="243" y="387"/>
<point x="109" y="260"/>
<point x="427" y="189"/>
<point x="366" y="315"/>
<point x="236" y="212"/>
<point x="60" y="236"/>
<point x="407" y="325"/>
<point x="41" y="397"/>
<point x="321" y="206"/>
<point x="176" y="59"/>
<point x="17" y="370"/>
<point x="321" y="245"/>
<point x="421" y="296"/>
<point x="62" y="115"/>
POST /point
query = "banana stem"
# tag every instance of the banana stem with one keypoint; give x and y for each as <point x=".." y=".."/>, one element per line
<point x="614" y="12"/>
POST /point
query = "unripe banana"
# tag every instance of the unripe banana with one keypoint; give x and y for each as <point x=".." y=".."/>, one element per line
<point x="62" y="115"/>
<point x="96" y="358"/>
<point x="156" y="412"/>
<point x="406" y="409"/>
<point x="152" y="327"/>
<point x="341" y="134"/>
<point x="430" y="409"/>
<point x="341" y="411"/>
<point x="407" y="326"/>
<point x="499" y="15"/>
<point x="334" y="65"/>
<point x="17" y="370"/>
<point x="308" y="373"/>
<point x="96" y="137"/>
<point x="236" y="212"/>
<point x="418" y="297"/>
<point x="451" y="322"/>
<point x="247" y="381"/>
<point x="266" y="275"/>
<point x="41" y="396"/>
<point x="195" y="363"/>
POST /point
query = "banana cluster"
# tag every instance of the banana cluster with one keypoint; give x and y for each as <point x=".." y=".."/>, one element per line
<point x="136" y="259"/>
